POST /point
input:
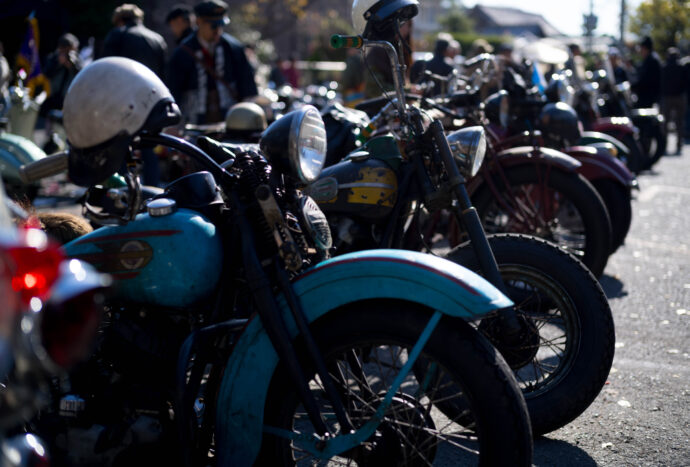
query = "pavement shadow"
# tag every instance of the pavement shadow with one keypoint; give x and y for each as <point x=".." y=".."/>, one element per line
<point x="613" y="288"/>
<point x="554" y="452"/>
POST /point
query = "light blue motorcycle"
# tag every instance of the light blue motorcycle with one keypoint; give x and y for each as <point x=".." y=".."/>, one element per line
<point x="229" y="337"/>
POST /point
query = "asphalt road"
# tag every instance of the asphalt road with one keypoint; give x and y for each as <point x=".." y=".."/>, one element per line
<point x="642" y="416"/>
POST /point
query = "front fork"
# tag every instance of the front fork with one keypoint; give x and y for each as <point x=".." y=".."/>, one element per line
<point x="468" y="216"/>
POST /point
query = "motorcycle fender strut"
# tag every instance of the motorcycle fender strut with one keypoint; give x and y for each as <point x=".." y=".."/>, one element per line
<point x="374" y="274"/>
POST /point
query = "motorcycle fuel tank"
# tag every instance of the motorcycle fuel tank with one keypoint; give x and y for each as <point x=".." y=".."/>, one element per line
<point x="363" y="185"/>
<point x="173" y="260"/>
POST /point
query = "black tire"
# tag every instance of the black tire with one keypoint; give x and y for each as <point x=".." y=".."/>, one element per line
<point x="552" y="290"/>
<point x="580" y="222"/>
<point x="637" y="157"/>
<point x="617" y="199"/>
<point x="653" y="141"/>
<point x="482" y="384"/>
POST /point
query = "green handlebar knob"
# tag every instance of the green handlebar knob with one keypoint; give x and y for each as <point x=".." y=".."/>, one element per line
<point x="346" y="42"/>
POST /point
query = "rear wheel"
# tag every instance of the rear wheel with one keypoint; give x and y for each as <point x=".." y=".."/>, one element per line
<point x="365" y="346"/>
<point x="567" y="347"/>
<point x="547" y="202"/>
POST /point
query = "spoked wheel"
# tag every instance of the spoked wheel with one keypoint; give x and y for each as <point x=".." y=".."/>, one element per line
<point x="365" y="348"/>
<point x="561" y="207"/>
<point x="567" y="344"/>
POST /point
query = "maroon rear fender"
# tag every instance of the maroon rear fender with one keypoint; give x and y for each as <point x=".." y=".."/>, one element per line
<point x="598" y="163"/>
<point x="522" y="155"/>
<point x="614" y="125"/>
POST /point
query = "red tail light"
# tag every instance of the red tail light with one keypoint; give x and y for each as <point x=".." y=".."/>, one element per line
<point x="36" y="265"/>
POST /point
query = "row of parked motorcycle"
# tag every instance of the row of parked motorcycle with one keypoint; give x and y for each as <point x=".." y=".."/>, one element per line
<point x="412" y="283"/>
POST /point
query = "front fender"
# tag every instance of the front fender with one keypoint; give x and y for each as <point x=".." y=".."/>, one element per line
<point x="374" y="274"/>
<point x="600" y="164"/>
<point x="16" y="151"/>
<point x="589" y="137"/>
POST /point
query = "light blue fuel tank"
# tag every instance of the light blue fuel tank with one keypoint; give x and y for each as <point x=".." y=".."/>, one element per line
<point x="173" y="260"/>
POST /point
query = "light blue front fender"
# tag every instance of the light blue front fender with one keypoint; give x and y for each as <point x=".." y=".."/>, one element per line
<point x="373" y="274"/>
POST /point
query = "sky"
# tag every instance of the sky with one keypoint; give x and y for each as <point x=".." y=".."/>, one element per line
<point x="566" y="15"/>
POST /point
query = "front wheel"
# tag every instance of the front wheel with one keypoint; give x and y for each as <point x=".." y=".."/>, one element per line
<point x="566" y="351"/>
<point x="365" y="346"/>
<point x="617" y="198"/>
<point x="560" y="206"/>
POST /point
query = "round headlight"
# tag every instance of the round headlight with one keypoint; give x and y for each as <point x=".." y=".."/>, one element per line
<point x="469" y="147"/>
<point x="307" y="144"/>
<point x="295" y="144"/>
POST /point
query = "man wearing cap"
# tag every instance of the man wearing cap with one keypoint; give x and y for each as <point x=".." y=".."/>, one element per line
<point x="209" y="70"/>
<point x="648" y="83"/>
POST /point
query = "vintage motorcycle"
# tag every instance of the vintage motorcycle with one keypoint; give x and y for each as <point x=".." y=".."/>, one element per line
<point x="226" y="339"/>
<point x="522" y="186"/>
<point x="380" y="195"/>
<point x="49" y="310"/>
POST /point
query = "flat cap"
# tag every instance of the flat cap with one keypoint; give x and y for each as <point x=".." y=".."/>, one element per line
<point x="213" y="11"/>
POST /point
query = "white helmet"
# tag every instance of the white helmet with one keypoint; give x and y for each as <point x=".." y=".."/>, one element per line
<point x="369" y="16"/>
<point x="108" y="103"/>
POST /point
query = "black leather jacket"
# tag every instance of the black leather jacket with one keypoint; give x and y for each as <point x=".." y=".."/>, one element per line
<point x="136" y="41"/>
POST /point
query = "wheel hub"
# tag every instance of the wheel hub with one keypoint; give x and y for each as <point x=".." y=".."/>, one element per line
<point x="517" y="350"/>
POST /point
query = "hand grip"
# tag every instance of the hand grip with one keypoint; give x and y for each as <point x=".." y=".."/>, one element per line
<point x="346" y="42"/>
<point x="42" y="168"/>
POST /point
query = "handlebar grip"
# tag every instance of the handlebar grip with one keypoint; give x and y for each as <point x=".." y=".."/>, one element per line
<point x="346" y="42"/>
<point x="42" y="168"/>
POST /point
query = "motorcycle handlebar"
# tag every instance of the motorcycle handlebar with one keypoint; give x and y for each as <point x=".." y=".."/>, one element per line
<point x="42" y="168"/>
<point x="339" y="41"/>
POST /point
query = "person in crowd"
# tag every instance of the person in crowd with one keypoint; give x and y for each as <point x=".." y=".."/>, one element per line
<point x="209" y="70"/>
<point x="379" y="75"/>
<point x="276" y="75"/>
<point x="130" y="38"/>
<point x="685" y="63"/>
<point x="674" y="88"/>
<point x="353" y="78"/>
<point x="620" y="73"/>
<point x="61" y="67"/>
<point x="440" y="64"/>
<point x="480" y="46"/>
<point x="289" y="69"/>
<point x="180" y="20"/>
<point x="4" y="81"/>
<point x="647" y="85"/>
<point x="576" y="62"/>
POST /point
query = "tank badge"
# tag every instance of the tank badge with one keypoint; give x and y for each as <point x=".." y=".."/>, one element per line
<point x="324" y="190"/>
<point x="124" y="259"/>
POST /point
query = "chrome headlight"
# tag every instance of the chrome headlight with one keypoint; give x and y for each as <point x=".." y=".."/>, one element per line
<point x="307" y="144"/>
<point x="316" y="223"/>
<point x="469" y="147"/>
<point x="295" y="144"/>
<point x="497" y="108"/>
